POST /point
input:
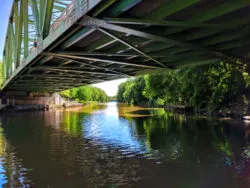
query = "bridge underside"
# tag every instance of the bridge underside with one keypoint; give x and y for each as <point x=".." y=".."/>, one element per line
<point x="117" y="39"/>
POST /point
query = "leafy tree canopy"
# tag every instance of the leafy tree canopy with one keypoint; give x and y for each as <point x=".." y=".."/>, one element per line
<point x="206" y="86"/>
<point x="85" y="94"/>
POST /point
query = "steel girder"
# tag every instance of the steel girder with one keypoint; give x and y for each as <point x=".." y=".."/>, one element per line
<point x="122" y="38"/>
<point x="29" y="23"/>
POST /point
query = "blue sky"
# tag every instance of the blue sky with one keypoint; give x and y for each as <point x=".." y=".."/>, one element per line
<point x="5" y="6"/>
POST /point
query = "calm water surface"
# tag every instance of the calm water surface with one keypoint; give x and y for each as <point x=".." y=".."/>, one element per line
<point x="119" y="146"/>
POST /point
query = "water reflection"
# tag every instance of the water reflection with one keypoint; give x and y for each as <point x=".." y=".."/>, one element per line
<point x="12" y="172"/>
<point x="110" y="146"/>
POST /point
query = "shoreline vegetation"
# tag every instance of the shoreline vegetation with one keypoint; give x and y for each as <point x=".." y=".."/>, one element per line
<point x="220" y="90"/>
<point x="76" y="97"/>
<point x="85" y="94"/>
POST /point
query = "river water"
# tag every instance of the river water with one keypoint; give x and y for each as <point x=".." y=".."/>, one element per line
<point x="113" y="145"/>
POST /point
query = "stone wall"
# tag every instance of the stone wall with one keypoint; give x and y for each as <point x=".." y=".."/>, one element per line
<point x="38" y="101"/>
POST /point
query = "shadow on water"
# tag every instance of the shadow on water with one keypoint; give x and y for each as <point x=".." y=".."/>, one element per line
<point x="114" y="145"/>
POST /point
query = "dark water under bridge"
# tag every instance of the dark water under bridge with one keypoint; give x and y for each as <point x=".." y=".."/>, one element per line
<point x="59" y="44"/>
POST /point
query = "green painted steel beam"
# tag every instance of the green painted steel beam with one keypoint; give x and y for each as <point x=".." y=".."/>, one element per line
<point x="201" y="34"/>
<point x="104" y="6"/>
<point x="5" y="62"/>
<point x="31" y="22"/>
<point x="61" y="76"/>
<point x="14" y="31"/>
<point x="73" y="69"/>
<point x="44" y="80"/>
<point x="155" y="47"/>
<point x="49" y="82"/>
<point x="174" y="63"/>
<point x="30" y="87"/>
<point x="231" y="45"/>
<point x="5" y="51"/>
<point x="58" y="7"/>
<point x="36" y="16"/>
<point x="11" y="62"/>
<point x="176" y="60"/>
<point x="174" y="51"/>
<point x="219" y="10"/>
<point x="77" y="36"/>
<point x="66" y="75"/>
<point x="19" y="35"/>
<point x="190" y="36"/>
<point x="122" y="6"/>
<point x="16" y="14"/>
<point x="4" y="67"/>
<point x="42" y="11"/>
<point x="75" y="76"/>
<point x="131" y="46"/>
<point x="224" y="37"/>
<point x="117" y="9"/>
<point x="96" y="45"/>
<point x="27" y="87"/>
<point x="44" y="60"/>
<point x="57" y="77"/>
<point x="95" y="22"/>
<point x="122" y="48"/>
<point x="102" y="60"/>
<point x="7" y="57"/>
<point x="197" y="63"/>
<point x="79" y="53"/>
<point x="47" y="19"/>
<point x="10" y="59"/>
<point x="185" y="24"/>
<point x="25" y="28"/>
<point x="170" y="8"/>
<point x="43" y="88"/>
<point x="90" y="64"/>
<point x="64" y="69"/>
<point x="12" y="38"/>
<point x="65" y="63"/>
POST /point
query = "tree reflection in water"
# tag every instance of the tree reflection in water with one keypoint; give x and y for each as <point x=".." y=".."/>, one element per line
<point x="109" y="146"/>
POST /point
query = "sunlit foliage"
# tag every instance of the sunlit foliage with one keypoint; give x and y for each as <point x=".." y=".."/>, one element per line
<point x="199" y="87"/>
<point x="85" y="94"/>
<point x="132" y="91"/>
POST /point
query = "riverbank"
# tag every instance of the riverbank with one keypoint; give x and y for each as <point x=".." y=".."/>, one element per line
<point x="67" y="105"/>
<point x="37" y="103"/>
<point x="38" y="107"/>
<point x="237" y="108"/>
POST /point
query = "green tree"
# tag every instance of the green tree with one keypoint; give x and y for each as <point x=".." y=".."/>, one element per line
<point x="207" y="86"/>
<point x="85" y="94"/>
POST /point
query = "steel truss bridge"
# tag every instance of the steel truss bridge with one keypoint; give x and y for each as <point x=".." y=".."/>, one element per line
<point x="52" y="45"/>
